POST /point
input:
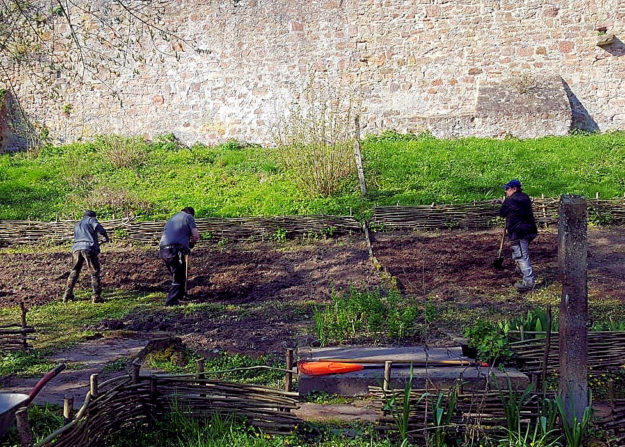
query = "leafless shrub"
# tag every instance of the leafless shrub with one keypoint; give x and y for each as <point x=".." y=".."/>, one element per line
<point x="315" y="139"/>
<point x="124" y="152"/>
<point x="116" y="201"/>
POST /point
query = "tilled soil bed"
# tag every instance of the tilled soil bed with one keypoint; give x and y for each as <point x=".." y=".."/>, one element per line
<point x="243" y="273"/>
<point x="264" y="292"/>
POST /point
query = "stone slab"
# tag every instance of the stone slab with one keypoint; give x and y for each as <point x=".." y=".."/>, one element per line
<point x="441" y="377"/>
<point x="381" y="353"/>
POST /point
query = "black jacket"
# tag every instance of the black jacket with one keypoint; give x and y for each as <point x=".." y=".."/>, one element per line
<point x="517" y="209"/>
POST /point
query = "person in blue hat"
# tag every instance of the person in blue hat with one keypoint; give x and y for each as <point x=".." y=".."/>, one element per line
<point x="521" y="228"/>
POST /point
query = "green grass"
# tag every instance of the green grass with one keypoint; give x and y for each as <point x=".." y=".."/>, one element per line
<point x="223" y="366"/>
<point x="358" y="313"/>
<point x="61" y="324"/>
<point x="178" y="430"/>
<point x="155" y="179"/>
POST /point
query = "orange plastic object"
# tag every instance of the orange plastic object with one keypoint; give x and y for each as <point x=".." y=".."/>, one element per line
<point x="322" y="368"/>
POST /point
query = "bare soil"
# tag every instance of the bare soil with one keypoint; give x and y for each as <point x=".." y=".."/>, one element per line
<point x="265" y="292"/>
<point x="458" y="265"/>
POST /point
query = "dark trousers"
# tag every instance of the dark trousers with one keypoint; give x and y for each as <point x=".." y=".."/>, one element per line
<point x="79" y="259"/>
<point x="175" y="260"/>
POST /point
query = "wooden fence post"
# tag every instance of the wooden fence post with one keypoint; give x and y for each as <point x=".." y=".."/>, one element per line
<point x="288" y="376"/>
<point x="93" y="385"/>
<point x="386" y="385"/>
<point x="136" y="368"/>
<point x="573" y="332"/>
<point x="68" y="408"/>
<point x="358" y="157"/>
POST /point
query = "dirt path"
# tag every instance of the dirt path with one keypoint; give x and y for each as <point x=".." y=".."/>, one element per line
<point x="92" y="356"/>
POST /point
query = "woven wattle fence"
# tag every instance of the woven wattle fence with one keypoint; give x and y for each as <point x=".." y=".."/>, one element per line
<point x="484" y="409"/>
<point x="236" y="229"/>
<point x="478" y="215"/>
<point x="606" y="351"/>
<point x="481" y="215"/>
<point x="16" y="337"/>
<point x="15" y="232"/>
<point x="130" y="400"/>
<point x="476" y="413"/>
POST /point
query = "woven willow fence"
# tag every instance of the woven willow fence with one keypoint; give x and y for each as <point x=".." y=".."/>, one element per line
<point x="478" y="215"/>
<point x="481" y="215"/>
<point x="129" y="400"/>
<point x="475" y="413"/>
<point x="236" y="229"/>
<point x="14" y="232"/>
<point x="16" y="337"/>
<point x="483" y="411"/>
<point x="606" y="351"/>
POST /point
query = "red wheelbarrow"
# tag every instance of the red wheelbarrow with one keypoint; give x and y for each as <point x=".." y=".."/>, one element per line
<point x="11" y="402"/>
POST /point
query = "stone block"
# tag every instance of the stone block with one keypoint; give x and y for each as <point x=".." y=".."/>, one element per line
<point x="441" y="377"/>
<point x="524" y="106"/>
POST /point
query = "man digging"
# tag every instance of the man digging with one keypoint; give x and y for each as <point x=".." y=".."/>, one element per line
<point x="86" y="249"/>
<point x="179" y="236"/>
<point x="521" y="227"/>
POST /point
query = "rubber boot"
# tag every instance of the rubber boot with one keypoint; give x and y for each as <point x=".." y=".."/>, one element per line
<point x="96" y="286"/>
<point x="69" y="289"/>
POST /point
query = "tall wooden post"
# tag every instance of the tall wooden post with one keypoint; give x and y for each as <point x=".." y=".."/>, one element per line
<point x="573" y="332"/>
<point x="358" y="156"/>
<point x="288" y="376"/>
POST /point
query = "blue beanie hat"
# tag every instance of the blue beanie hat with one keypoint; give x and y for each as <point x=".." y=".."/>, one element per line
<point x="514" y="183"/>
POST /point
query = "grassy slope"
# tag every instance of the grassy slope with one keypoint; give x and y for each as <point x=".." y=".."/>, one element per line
<point x="226" y="181"/>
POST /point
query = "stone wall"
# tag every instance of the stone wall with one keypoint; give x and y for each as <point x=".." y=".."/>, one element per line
<point x="467" y="67"/>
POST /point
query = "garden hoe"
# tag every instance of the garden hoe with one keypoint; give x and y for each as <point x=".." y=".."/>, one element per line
<point x="186" y="274"/>
<point x="498" y="262"/>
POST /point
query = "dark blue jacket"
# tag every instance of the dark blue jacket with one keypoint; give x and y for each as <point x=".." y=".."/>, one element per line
<point x="520" y="222"/>
<point x="178" y="230"/>
<point x="86" y="235"/>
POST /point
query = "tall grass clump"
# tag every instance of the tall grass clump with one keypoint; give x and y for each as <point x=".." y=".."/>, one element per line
<point x="123" y="152"/>
<point x="315" y="140"/>
<point x="361" y="314"/>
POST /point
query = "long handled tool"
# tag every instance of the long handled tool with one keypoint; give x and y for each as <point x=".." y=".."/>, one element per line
<point x="186" y="272"/>
<point x="498" y="262"/>
<point x="340" y="366"/>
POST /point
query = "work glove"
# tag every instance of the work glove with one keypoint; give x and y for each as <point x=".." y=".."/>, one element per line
<point x="191" y="244"/>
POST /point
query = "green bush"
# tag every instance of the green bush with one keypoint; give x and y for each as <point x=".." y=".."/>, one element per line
<point x="490" y="341"/>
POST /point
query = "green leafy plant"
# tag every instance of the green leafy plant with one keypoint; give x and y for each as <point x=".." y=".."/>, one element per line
<point x="279" y="235"/>
<point x="575" y="430"/>
<point x="67" y="109"/>
<point x="490" y="341"/>
<point x="400" y="411"/>
<point x="442" y="413"/>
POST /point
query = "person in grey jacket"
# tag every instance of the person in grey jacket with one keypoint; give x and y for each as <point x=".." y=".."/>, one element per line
<point x="179" y="236"/>
<point x="86" y="249"/>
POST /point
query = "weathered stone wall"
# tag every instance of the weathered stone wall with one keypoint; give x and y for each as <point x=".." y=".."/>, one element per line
<point x="466" y="67"/>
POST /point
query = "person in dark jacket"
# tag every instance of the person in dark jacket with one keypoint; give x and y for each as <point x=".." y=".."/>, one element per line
<point x="521" y="227"/>
<point x="179" y="236"/>
<point x="86" y="249"/>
